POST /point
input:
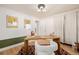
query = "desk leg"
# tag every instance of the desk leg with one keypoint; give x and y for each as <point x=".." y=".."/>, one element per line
<point x="57" y="40"/>
<point x="26" y="46"/>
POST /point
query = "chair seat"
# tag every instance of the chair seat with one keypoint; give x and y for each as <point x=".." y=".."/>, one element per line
<point x="45" y="49"/>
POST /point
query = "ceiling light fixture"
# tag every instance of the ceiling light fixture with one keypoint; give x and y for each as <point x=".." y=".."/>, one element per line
<point x="41" y="8"/>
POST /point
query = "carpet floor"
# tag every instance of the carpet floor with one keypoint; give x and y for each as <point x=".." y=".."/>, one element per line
<point x="31" y="50"/>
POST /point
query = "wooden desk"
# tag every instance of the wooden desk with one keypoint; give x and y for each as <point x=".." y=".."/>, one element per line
<point x="54" y="38"/>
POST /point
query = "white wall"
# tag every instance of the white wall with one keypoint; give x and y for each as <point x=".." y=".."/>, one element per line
<point x="6" y="33"/>
<point x="46" y="26"/>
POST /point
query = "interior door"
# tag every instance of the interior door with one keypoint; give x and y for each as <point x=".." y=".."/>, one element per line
<point x="78" y="25"/>
<point x="58" y="26"/>
<point x="41" y="28"/>
<point x="70" y="28"/>
<point x="49" y="26"/>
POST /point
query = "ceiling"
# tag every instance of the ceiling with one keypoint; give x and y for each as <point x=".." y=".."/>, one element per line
<point x="31" y="9"/>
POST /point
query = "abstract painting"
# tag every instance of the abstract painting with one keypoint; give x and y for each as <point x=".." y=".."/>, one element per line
<point x="11" y="22"/>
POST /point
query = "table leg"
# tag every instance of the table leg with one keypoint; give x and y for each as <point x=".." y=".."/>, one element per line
<point x="26" y="46"/>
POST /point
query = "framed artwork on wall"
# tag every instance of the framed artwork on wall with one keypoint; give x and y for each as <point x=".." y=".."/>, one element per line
<point x="27" y="24"/>
<point x="11" y="22"/>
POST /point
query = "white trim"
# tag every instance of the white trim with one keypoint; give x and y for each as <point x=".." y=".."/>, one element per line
<point x="12" y="46"/>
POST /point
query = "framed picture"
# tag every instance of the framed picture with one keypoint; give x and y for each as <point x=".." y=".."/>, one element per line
<point x="11" y="22"/>
<point x="27" y="24"/>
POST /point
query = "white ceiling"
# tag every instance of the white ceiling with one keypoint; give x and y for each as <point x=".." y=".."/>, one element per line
<point x="31" y="9"/>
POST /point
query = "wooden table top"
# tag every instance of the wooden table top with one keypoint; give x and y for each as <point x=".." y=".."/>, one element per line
<point x="41" y="37"/>
<point x="43" y="42"/>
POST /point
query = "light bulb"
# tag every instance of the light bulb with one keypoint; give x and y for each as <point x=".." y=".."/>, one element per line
<point x="38" y="10"/>
<point x="41" y="7"/>
<point x="44" y="10"/>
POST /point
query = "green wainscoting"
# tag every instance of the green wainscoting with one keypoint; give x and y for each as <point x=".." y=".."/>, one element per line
<point x="12" y="41"/>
